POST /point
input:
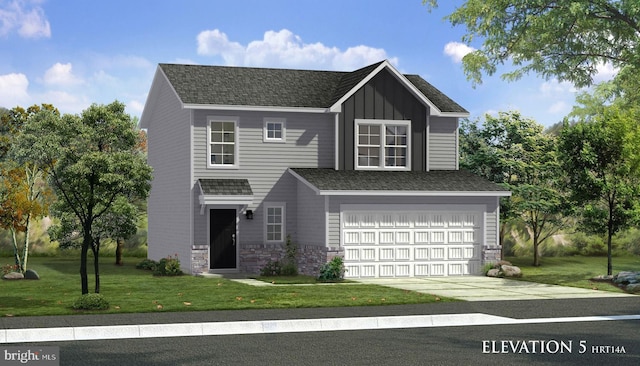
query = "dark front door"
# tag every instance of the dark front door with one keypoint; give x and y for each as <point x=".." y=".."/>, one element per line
<point x="222" y="236"/>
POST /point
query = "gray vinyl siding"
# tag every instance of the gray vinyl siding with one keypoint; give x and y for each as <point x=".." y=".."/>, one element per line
<point x="309" y="144"/>
<point x="310" y="217"/>
<point x="489" y="202"/>
<point x="383" y="97"/>
<point x="443" y="143"/>
<point x="169" y="203"/>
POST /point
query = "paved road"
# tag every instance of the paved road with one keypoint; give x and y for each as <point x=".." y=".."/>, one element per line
<point x="419" y="346"/>
<point x="424" y="346"/>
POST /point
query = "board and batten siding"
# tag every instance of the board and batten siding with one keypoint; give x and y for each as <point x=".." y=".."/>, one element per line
<point x="443" y="143"/>
<point x="382" y="97"/>
<point x="309" y="144"/>
<point x="169" y="203"/>
<point x="490" y="213"/>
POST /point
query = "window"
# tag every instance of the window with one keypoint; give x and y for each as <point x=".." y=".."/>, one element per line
<point x="274" y="222"/>
<point x="223" y="142"/>
<point x="274" y="130"/>
<point x="382" y="144"/>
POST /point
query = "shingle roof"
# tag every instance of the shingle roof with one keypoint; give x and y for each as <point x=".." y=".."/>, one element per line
<point x="226" y="187"/>
<point x="415" y="181"/>
<point x="267" y="87"/>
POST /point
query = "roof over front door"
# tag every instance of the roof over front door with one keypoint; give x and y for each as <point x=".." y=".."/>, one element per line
<point x="225" y="192"/>
<point x="397" y="183"/>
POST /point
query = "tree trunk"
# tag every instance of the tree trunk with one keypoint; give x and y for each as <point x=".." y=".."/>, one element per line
<point x="16" y="253"/>
<point x="609" y="251"/>
<point x="96" y="266"/>
<point x="25" y="255"/>
<point x="86" y="242"/>
<point x="119" y="248"/>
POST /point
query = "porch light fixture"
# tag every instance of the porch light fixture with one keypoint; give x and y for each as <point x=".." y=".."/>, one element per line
<point x="249" y="214"/>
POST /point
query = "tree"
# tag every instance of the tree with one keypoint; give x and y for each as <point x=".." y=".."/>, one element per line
<point x="602" y="160"/>
<point x="93" y="163"/>
<point x="513" y="151"/>
<point x="565" y="39"/>
<point x="24" y="195"/>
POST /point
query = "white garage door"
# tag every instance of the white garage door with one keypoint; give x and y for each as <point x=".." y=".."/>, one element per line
<point x="411" y="243"/>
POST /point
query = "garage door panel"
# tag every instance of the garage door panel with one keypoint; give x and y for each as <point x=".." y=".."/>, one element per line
<point x="411" y="243"/>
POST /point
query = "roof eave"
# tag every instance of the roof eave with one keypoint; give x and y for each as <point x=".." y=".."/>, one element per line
<point x="415" y="193"/>
<point x="231" y="107"/>
<point x="433" y="109"/>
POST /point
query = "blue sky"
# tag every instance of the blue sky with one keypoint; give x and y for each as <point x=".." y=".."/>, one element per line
<point x="73" y="53"/>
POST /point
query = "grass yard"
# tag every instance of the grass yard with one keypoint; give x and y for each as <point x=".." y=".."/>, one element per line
<point x="130" y="290"/>
<point x="574" y="271"/>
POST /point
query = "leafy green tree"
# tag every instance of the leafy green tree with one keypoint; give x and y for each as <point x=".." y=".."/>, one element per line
<point x="602" y="160"/>
<point x="24" y="194"/>
<point x="513" y="151"/>
<point x="566" y="39"/>
<point x="93" y="163"/>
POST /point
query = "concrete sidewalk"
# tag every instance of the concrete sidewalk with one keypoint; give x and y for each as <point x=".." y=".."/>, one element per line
<point x="481" y="288"/>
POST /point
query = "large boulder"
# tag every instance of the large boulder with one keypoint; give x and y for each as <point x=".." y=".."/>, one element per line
<point x="493" y="272"/>
<point x="13" y="276"/>
<point x="31" y="275"/>
<point x="633" y="288"/>
<point x="626" y="277"/>
<point x="511" y="271"/>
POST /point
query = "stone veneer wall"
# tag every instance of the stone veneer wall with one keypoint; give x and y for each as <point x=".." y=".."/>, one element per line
<point x="253" y="257"/>
<point x="490" y="254"/>
<point x="199" y="259"/>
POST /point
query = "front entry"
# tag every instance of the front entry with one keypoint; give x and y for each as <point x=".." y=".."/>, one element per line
<point x="222" y="239"/>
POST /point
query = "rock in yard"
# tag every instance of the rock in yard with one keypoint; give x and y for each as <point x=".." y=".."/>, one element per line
<point x="511" y="271"/>
<point x="493" y="272"/>
<point x="626" y="277"/>
<point x="31" y="275"/>
<point x="13" y="276"/>
<point x="633" y="288"/>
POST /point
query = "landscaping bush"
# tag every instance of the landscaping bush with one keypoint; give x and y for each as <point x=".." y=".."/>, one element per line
<point x="90" y="302"/>
<point x="272" y="268"/>
<point x="332" y="271"/>
<point x="147" y="264"/>
<point x="169" y="266"/>
<point x="589" y="245"/>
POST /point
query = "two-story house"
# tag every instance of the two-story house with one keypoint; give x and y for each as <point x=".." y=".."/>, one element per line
<point x="360" y="164"/>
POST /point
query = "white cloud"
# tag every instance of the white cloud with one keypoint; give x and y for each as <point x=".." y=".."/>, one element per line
<point x="284" y="48"/>
<point x="61" y="74"/>
<point x="606" y="72"/>
<point x="560" y="107"/>
<point x="13" y="90"/>
<point x="25" y="17"/>
<point x="554" y="88"/>
<point x="457" y="51"/>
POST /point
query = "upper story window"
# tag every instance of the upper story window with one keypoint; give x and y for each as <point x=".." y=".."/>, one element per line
<point x="382" y="144"/>
<point x="223" y="142"/>
<point x="274" y="130"/>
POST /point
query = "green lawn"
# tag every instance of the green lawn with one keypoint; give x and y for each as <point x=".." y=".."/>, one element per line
<point x="574" y="271"/>
<point x="130" y="290"/>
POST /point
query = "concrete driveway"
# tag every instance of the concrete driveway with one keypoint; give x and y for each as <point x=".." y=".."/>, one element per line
<point x="481" y="288"/>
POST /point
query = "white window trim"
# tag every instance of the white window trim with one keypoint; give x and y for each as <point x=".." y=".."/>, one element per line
<point x="282" y="122"/>
<point x="236" y="157"/>
<point x="382" y="123"/>
<point x="283" y="206"/>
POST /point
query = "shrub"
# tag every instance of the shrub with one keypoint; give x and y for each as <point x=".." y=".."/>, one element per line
<point x="169" y="266"/>
<point x="589" y="245"/>
<point x="90" y="302"/>
<point x="8" y="268"/>
<point x="147" y="264"/>
<point x="333" y="270"/>
<point x="272" y="268"/>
